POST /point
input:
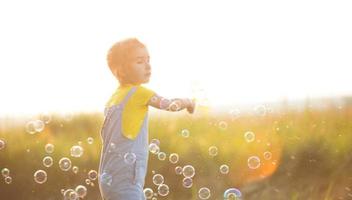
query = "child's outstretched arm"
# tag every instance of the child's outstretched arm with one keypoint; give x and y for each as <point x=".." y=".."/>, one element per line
<point x="173" y="105"/>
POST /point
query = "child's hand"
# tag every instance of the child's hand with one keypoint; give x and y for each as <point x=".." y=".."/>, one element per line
<point x="191" y="105"/>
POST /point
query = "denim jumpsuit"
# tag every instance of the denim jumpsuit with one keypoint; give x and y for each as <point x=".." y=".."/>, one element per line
<point x="120" y="180"/>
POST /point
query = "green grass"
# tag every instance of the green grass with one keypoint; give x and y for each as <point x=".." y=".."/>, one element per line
<point x="311" y="154"/>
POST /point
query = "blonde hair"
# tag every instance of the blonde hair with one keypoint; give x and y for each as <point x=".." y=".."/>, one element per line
<point x="118" y="57"/>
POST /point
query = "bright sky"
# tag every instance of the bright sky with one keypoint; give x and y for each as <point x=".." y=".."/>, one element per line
<point x="53" y="52"/>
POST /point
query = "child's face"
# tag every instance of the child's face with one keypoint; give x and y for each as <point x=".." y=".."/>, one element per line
<point x="139" y="64"/>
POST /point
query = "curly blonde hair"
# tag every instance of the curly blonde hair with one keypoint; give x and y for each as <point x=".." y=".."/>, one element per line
<point x="118" y="57"/>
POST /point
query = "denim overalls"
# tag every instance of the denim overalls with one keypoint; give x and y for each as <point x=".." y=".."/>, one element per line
<point x="118" y="179"/>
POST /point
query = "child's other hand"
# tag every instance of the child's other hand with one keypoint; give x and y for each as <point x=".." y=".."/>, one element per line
<point x="191" y="106"/>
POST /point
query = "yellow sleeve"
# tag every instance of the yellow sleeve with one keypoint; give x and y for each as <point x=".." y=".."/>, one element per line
<point x="143" y="95"/>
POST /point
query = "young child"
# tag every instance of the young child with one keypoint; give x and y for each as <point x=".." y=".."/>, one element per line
<point x="124" y="156"/>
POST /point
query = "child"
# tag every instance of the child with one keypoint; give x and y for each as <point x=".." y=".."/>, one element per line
<point x="124" y="157"/>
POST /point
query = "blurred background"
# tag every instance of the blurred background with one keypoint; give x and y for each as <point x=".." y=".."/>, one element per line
<point x="271" y="80"/>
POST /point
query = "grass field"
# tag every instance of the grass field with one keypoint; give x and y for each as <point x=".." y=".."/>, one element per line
<point x="310" y="153"/>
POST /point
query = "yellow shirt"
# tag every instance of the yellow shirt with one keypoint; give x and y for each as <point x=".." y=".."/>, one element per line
<point x="135" y="109"/>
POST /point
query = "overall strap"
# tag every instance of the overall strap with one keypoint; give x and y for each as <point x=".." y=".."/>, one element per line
<point x="129" y="94"/>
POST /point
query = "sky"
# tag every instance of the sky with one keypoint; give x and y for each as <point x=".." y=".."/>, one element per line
<point x="53" y="53"/>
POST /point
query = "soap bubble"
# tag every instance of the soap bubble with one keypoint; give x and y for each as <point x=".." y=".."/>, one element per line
<point x="129" y="158"/>
<point x="260" y="110"/>
<point x="188" y="171"/>
<point x="222" y="125"/>
<point x="47" y="161"/>
<point x="87" y="181"/>
<point x="164" y="103"/>
<point x="45" y="117"/>
<point x="81" y="191"/>
<point x="154" y="148"/>
<point x="5" y="172"/>
<point x="90" y="140"/>
<point x="173" y="158"/>
<point x="253" y="162"/>
<point x="232" y="194"/>
<point x="185" y="133"/>
<point x="92" y="175"/>
<point x="30" y="127"/>
<point x="38" y="125"/>
<point x="213" y="151"/>
<point x="75" y="169"/>
<point x="155" y="141"/>
<point x="158" y="179"/>
<point x="204" y="193"/>
<point x="76" y="151"/>
<point x="148" y="193"/>
<point x="65" y="164"/>
<point x="178" y="170"/>
<point x="106" y="178"/>
<point x="49" y="148"/>
<point x="2" y="144"/>
<point x="40" y="176"/>
<point x="249" y="136"/>
<point x="8" y="180"/>
<point x="113" y="145"/>
<point x="224" y="169"/>
<point x="161" y="156"/>
<point x="163" y="190"/>
<point x="187" y="182"/>
<point x="235" y="113"/>
<point x="267" y="155"/>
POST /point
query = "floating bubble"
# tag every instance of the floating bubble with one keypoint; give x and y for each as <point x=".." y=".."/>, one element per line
<point x="161" y="156"/>
<point x="81" y="191"/>
<point x="187" y="182"/>
<point x="5" y="172"/>
<point x="8" y="180"/>
<point x="92" y="175"/>
<point x="158" y="179"/>
<point x="185" y="133"/>
<point x="113" y="145"/>
<point x="260" y="110"/>
<point x="188" y="171"/>
<point x="38" y="125"/>
<point x="249" y="136"/>
<point x="106" y="178"/>
<point x="90" y="140"/>
<point x="267" y="155"/>
<point x="67" y="194"/>
<point x="129" y="158"/>
<point x="232" y="194"/>
<point x="75" y="169"/>
<point x="2" y="144"/>
<point x="30" y="127"/>
<point x="235" y="113"/>
<point x="213" y="151"/>
<point x="224" y="169"/>
<point x="148" y="193"/>
<point x="173" y="158"/>
<point x="163" y="190"/>
<point x="222" y="125"/>
<point x="155" y="141"/>
<point x="253" y="162"/>
<point x="178" y="170"/>
<point x="45" y="117"/>
<point x="65" y="164"/>
<point x="87" y="181"/>
<point x="40" y="176"/>
<point x="154" y="148"/>
<point x="47" y="161"/>
<point x="164" y="103"/>
<point x="76" y="151"/>
<point x="49" y="148"/>
<point x="204" y="193"/>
